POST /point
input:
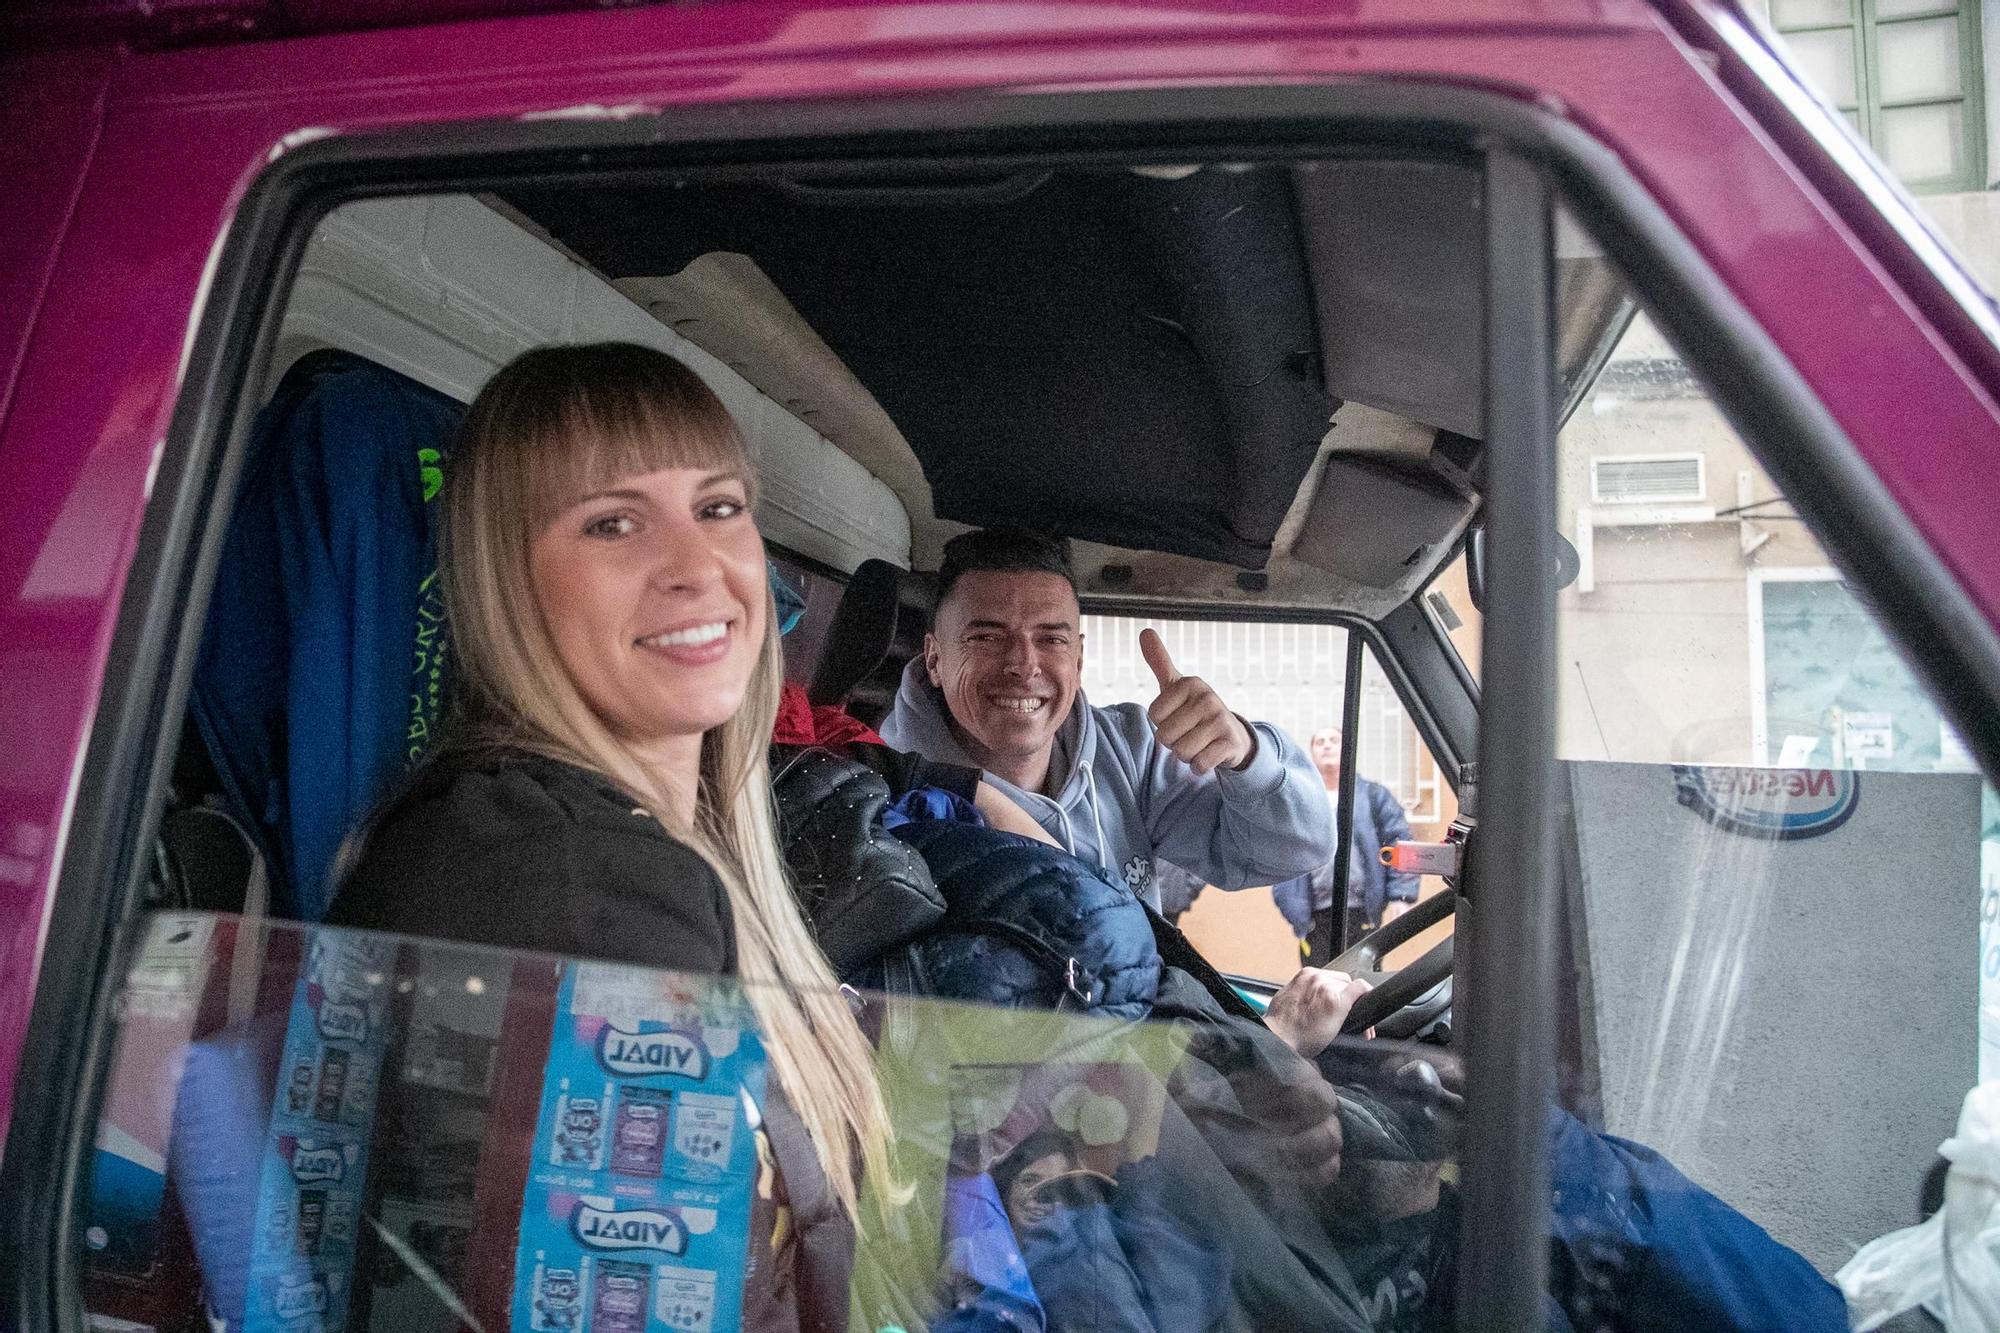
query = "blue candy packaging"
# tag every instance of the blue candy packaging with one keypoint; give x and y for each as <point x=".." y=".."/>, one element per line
<point x="637" y="1211"/>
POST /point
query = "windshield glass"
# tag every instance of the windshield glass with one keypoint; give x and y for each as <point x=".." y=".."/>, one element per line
<point x="1293" y="676"/>
<point x="340" y="1129"/>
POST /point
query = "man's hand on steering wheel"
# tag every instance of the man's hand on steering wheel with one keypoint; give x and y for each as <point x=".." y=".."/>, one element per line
<point x="1308" y="1011"/>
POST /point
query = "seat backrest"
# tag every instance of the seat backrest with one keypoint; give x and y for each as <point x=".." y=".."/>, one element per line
<point x="878" y="626"/>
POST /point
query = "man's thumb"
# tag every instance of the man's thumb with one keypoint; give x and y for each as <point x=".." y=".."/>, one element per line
<point x="1154" y="650"/>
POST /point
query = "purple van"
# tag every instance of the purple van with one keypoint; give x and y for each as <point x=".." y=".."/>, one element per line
<point x="1560" y="402"/>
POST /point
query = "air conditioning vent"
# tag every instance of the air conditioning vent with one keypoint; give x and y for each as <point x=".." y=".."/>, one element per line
<point x="1659" y="479"/>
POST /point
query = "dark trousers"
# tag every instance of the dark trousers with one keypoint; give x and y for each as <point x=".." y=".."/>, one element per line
<point x="1321" y="947"/>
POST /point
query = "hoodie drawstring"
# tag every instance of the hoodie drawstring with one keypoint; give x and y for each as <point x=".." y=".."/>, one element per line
<point x="1090" y="799"/>
<point x="1096" y="824"/>
<point x="1062" y="817"/>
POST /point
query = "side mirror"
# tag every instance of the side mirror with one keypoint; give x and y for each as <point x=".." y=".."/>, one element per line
<point x="1567" y="565"/>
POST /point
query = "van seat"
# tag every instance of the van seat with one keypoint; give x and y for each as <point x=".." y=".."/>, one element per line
<point x="878" y="626"/>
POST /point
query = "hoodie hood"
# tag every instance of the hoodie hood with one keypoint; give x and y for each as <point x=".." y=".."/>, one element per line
<point x="921" y="723"/>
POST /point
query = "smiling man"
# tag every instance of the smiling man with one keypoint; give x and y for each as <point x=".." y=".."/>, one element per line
<point x="999" y="687"/>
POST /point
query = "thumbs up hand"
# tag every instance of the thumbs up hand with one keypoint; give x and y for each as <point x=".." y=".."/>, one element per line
<point x="1191" y="719"/>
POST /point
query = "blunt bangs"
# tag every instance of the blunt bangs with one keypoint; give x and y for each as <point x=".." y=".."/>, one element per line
<point x="579" y="419"/>
<point x="594" y="445"/>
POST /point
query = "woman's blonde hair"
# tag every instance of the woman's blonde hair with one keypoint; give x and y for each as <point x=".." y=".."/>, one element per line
<point x="553" y="426"/>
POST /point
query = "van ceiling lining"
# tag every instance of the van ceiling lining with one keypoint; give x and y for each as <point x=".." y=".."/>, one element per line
<point x="725" y="305"/>
<point x="1124" y="358"/>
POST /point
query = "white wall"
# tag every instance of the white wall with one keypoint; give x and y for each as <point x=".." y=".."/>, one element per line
<point x="446" y="290"/>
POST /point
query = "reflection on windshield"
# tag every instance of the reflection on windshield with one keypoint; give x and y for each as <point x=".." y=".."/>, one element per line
<point x="343" y="1130"/>
<point x="320" y="1129"/>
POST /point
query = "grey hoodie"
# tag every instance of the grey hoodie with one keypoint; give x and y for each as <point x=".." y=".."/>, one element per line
<point x="1123" y="800"/>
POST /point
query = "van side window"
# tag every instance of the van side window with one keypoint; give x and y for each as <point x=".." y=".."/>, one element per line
<point x="1764" y="811"/>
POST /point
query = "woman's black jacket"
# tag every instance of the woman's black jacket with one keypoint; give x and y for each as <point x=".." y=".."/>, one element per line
<point x="521" y="851"/>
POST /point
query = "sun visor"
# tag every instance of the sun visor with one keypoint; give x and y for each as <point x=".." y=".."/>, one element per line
<point x="1396" y="251"/>
<point x="1380" y="523"/>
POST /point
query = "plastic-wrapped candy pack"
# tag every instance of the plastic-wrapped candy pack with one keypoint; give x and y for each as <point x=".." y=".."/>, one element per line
<point x="1950" y="1262"/>
<point x="638" y="1204"/>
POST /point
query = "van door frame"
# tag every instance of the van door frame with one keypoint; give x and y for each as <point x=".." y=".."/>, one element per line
<point x="120" y="792"/>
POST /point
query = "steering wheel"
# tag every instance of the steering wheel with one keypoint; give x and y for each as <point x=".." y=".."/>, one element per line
<point x="1398" y="990"/>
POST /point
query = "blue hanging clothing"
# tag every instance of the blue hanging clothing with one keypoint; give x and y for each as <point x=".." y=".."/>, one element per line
<point x="987" y="1284"/>
<point x="791" y="603"/>
<point x="322" y="668"/>
<point x="1637" y="1247"/>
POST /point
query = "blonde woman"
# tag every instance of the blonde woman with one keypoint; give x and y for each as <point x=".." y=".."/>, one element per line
<point x="605" y="793"/>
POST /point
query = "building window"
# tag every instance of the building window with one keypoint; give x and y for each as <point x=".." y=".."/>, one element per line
<point x="1906" y="73"/>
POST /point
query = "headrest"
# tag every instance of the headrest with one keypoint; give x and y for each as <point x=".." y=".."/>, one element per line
<point x="878" y="626"/>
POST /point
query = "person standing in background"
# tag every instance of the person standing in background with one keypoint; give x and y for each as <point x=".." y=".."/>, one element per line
<point x="1376" y="895"/>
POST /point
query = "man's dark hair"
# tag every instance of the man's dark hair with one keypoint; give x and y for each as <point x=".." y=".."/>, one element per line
<point x="1025" y="1154"/>
<point x="1003" y="551"/>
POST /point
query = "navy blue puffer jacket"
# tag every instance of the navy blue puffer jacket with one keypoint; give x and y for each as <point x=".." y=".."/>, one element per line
<point x="1025" y="926"/>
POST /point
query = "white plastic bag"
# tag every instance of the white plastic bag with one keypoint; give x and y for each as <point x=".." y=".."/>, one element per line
<point x="1949" y="1263"/>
